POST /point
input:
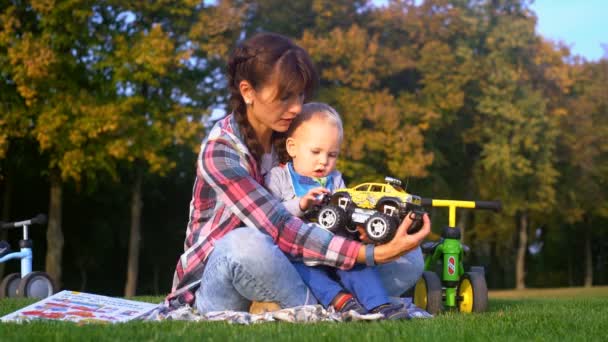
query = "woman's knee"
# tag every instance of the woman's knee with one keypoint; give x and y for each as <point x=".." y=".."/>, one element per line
<point x="400" y="275"/>
<point x="247" y="247"/>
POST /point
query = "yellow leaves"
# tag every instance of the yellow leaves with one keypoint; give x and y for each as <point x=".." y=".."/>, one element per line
<point x="31" y="59"/>
<point x="43" y="6"/>
<point x="348" y="57"/>
<point x="9" y="23"/>
<point x="217" y="23"/>
<point x="72" y="163"/>
<point x="158" y="163"/>
<point x="377" y="135"/>
<point x="3" y="140"/>
<point x="148" y="57"/>
<point x="118" y="149"/>
<point x="153" y="53"/>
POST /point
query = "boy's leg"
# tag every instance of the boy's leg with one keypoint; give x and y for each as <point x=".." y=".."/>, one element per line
<point x="319" y="282"/>
<point x="365" y="284"/>
<point x="400" y="275"/>
<point x="246" y="266"/>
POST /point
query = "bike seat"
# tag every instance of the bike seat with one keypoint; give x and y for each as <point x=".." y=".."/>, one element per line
<point x="428" y="247"/>
<point x="5" y="248"/>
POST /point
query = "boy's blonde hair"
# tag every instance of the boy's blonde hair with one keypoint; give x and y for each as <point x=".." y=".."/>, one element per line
<point x="316" y="110"/>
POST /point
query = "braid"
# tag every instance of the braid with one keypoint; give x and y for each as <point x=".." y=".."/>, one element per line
<point x="279" y="143"/>
<point x="238" y="62"/>
<point x="251" y="141"/>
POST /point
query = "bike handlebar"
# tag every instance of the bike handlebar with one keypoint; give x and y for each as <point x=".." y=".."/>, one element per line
<point x="488" y="205"/>
<point x="39" y="219"/>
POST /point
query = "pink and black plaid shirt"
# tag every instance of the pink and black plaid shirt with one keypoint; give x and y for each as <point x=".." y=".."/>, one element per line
<point x="227" y="194"/>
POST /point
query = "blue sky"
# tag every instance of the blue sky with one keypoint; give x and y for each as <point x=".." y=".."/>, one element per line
<point x="581" y="24"/>
<point x="577" y="23"/>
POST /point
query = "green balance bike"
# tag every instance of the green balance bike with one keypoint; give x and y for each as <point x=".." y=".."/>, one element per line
<point x="456" y="290"/>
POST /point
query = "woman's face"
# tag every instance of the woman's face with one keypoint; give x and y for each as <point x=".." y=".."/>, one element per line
<point x="269" y="112"/>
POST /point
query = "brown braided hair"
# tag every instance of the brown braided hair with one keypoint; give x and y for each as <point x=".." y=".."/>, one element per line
<point x="259" y="59"/>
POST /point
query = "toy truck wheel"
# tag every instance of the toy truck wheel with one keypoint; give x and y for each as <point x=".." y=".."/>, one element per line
<point x="388" y="207"/>
<point x="36" y="285"/>
<point x="380" y="227"/>
<point x="332" y="218"/>
<point x="472" y="293"/>
<point x="8" y="287"/>
<point x="428" y="293"/>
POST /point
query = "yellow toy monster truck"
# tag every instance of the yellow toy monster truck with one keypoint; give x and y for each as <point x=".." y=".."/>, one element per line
<point x="378" y="207"/>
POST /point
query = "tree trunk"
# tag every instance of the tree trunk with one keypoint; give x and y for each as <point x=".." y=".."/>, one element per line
<point x="83" y="278"/>
<point x="54" y="234"/>
<point x="588" y="254"/>
<point x="135" y="236"/>
<point x="462" y="224"/>
<point x="6" y="212"/>
<point x="520" y="263"/>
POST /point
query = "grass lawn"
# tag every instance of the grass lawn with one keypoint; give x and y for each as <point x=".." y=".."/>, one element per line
<point x="541" y="315"/>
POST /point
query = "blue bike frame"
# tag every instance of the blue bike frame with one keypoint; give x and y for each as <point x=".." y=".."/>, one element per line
<point x="25" y="255"/>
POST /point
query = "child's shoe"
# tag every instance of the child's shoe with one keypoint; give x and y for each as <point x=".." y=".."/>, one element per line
<point x="344" y="302"/>
<point x="5" y="248"/>
<point x="392" y="311"/>
<point x="353" y="304"/>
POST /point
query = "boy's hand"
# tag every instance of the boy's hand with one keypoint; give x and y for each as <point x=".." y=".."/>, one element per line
<point x="312" y="197"/>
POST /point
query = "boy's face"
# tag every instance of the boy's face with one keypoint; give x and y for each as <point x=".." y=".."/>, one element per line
<point x="314" y="147"/>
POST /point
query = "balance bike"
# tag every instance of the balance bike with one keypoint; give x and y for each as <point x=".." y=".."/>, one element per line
<point x="27" y="283"/>
<point x="456" y="289"/>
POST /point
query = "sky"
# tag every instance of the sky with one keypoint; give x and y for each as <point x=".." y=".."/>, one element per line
<point x="577" y="23"/>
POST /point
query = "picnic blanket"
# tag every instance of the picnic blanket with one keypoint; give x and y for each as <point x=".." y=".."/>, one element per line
<point x="299" y="314"/>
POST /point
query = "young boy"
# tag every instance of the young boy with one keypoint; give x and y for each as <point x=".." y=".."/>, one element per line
<point x="313" y="144"/>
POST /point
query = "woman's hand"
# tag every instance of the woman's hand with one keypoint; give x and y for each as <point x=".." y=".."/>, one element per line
<point x="401" y="244"/>
<point x="312" y="197"/>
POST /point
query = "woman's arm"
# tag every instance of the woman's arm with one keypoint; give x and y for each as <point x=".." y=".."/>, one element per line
<point x="223" y="169"/>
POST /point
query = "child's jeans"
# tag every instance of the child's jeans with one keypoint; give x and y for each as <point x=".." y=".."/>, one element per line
<point x="246" y="265"/>
<point x="361" y="281"/>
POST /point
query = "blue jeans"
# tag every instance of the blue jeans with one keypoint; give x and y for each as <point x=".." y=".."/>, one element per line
<point x="361" y="281"/>
<point x="246" y="265"/>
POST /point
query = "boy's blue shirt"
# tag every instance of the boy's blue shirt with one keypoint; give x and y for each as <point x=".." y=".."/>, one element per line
<point x="303" y="184"/>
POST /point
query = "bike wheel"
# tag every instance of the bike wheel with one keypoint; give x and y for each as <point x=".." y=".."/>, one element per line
<point x="36" y="285"/>
<point x="472" y="293"/>
<point x="8" y="287"/>
<point x="427" y="293"/>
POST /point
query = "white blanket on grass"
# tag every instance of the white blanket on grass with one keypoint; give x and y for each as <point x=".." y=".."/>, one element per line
<point x="300" y="314"/>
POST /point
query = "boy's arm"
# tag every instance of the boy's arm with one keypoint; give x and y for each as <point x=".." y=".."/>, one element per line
<point x="278" y="183"/>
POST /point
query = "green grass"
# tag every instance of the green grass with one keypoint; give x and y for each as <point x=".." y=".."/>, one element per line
<point x="551" y="315"/>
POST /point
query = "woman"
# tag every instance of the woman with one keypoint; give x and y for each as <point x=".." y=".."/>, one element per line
<point x="239" y="235"/>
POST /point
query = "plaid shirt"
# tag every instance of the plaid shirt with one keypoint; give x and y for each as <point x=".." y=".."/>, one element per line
<point x="227" y="194"/>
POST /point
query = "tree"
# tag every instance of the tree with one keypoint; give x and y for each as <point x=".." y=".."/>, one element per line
<point x="583" y="154"/>
<point x="164" y="61"/>
<point x="69" y="119"/>
<point x="515" y="126"/>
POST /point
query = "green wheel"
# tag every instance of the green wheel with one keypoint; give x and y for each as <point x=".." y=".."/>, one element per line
<point x="428" y="293"/>
<point x="472" y="293"/>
